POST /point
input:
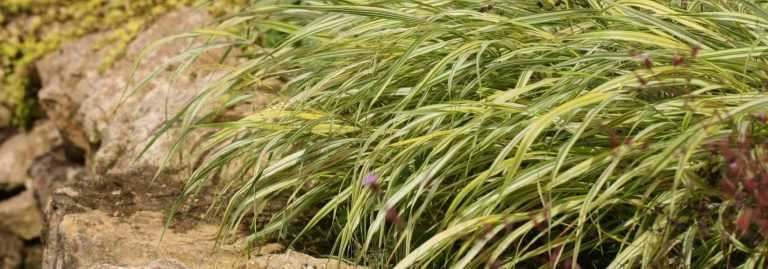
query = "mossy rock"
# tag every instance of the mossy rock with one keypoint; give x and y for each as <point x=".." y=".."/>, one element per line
<point x="32" y="28"/>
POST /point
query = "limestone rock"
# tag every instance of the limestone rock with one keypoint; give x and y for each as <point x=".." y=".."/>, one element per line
<point x="19" y="152"/>
<point x="52" y="170"/>
<point x="95" y="239"/>
<point x="112" y="125"/>
<point x="6" y="132"/>
<point x="288" y="260"/>
<point x="295" y="260"/>
<point x="78" y="237"/>
<point x="159" y="264"/>
<point x="33" y="256"/>
<point x="10" y="251"/>
<point x="21" y="216"/>
<point x="20" y="213"/>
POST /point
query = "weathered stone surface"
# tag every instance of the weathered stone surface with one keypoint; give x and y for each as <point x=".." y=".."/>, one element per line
<point x="108" y="238"/>
<point x="288" y="260"/>
<point x="10" y="251"/>
<point x="295" y="260"/>
<point x="95" y="238"/>
<point x="33" y="256"/>
<point x="96" y="113"/>
<point x="52" y="170"/>
<point x="159" y="264"/>
<point x="19" y="210"/>
<point x="21" y="216"/>
<point x="6" y="132"/>
<point x="19" y="152"/>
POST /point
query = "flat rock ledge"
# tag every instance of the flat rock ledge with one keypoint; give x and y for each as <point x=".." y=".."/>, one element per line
<point x="96" y="240"/>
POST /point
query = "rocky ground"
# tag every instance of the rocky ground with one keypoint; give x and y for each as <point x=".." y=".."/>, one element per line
<point x="73" y="193"/>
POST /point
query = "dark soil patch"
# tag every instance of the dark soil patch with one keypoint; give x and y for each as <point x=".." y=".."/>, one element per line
<point x="120" y="194"/>
<point x="126" y="194"/>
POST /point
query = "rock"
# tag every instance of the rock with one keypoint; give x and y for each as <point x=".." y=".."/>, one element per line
<point x="5" y="133"/>
<point x="94" y="111"/>
<point x="33" y="257"/>
<point x="288" y="260"/>
<point x="19" y="210"/>
<point x="295" y="260"/>
<point x="10" y="251"/>
<point x="21" y="216"/>
<point x="19" y="152"/>
<point x="159" y="264"/>
<point x="79" y="237"/>
<point x="94" y="239"/>
<point x="53" y="171"/>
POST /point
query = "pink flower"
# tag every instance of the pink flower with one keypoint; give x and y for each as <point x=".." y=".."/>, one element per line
<point x="677" y="60"/>
<point x="393" y="216"/>
<point x="371" y="181"/>
<point x="646" y="59"/>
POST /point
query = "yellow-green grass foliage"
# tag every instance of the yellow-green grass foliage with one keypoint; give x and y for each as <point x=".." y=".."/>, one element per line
<point x="499" y="134"/>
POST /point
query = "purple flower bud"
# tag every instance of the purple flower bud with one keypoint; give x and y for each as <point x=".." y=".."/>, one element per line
<point x="393" y="216"/>
<point x="734" y="165"/>
<point x="371" y="181"/>
<point x="646" y="59"/>
<point x="695" y="51"/>
<point x="677" y="60"/>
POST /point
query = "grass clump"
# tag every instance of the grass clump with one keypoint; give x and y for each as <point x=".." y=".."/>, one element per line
<point x="501" y="134"/>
